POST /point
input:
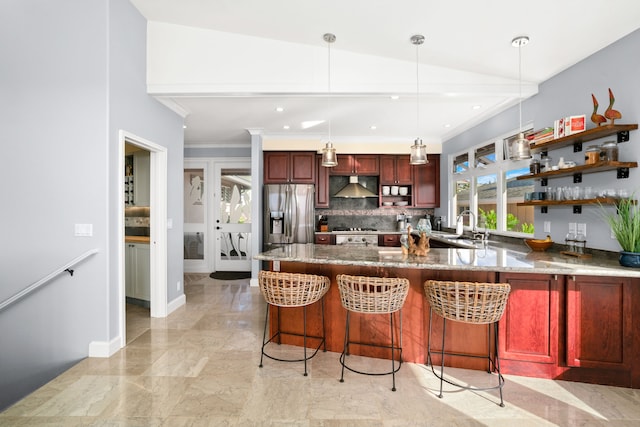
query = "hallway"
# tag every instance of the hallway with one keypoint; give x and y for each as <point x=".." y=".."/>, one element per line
<point x="199" y="367"/>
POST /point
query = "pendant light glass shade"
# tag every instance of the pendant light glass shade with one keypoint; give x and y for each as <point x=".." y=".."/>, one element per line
<point x="418" y="153"/>
<point x="519" y="148"/>
<point x="418" y="150"/>
<point x="329" y="158"/>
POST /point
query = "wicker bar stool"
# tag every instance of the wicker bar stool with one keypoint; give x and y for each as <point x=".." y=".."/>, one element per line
<point x="373" y="295"/>
<point x="467" y="302"/>
<point x="292" y="290"/>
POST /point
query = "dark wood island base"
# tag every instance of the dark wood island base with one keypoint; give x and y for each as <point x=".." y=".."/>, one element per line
<point x="555" y="326"/>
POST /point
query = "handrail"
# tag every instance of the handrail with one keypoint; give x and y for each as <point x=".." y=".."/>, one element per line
<point x="67" y="267"/>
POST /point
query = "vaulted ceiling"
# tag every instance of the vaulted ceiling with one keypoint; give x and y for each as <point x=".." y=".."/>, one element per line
<point x="468" y="67"/>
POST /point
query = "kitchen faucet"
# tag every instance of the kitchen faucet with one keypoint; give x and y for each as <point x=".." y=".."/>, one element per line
<point x="474" y="231"/>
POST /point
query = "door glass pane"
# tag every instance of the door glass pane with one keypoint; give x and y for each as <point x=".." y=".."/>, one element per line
<point x="519" y="218"/>
<point x="486" y="186"/>
<point x="235" y="214"/>
<point x="194" y="207"/>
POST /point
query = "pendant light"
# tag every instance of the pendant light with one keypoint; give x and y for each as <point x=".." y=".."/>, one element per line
<point x="519" y="148"/>
<point x="418" y="150"/>
<point x="329" y="152"/>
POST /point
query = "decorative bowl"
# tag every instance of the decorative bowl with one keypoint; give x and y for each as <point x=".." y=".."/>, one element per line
<point x="387" y="203"/>
<point x="401" y="203"/>
<point x="538" y="245"/>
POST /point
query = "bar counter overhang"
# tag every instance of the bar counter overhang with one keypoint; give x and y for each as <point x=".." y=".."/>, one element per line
<point x="552" y="327"/>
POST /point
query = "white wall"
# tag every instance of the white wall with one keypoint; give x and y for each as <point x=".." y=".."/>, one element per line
<point x="71" y="77"/>
<point x="569" y="93"/>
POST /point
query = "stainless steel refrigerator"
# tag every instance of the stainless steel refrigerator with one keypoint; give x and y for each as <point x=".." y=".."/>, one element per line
<point x="288" y="214"/>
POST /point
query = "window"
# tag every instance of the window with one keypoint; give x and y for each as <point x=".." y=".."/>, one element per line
<point x="490" y="188"/>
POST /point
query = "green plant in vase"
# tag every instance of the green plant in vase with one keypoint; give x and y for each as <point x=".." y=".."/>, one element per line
<point x="625" y="225"/>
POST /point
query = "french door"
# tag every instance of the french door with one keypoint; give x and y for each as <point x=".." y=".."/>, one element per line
<point x="217" y="215"/>
<point x="232" y="216"/>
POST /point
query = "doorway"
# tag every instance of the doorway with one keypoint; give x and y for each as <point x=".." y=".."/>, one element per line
<point x="157" y="220"/>
<point x="217" y="215"/>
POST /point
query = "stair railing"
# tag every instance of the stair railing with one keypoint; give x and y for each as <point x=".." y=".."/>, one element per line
<point x="65" y="268"/>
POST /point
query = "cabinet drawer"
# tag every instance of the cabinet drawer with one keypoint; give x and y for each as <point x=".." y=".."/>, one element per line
<point x="392" y="240"/>
<point x="323" y="239"/>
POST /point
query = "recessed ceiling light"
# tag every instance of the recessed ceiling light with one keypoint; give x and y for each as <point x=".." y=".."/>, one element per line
<point x="373" y="127"/>
<point x="184" y="126"/>
<point x="279" y="109"/>
<point x="285" y="127"/>
<point x="477" y="107"/>
<point x="448" y="125"/>
<point x="394" y="97"/>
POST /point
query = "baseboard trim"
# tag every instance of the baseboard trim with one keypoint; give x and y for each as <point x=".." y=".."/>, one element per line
<point x="176" y="304"/>
<point x="104" y="348"/>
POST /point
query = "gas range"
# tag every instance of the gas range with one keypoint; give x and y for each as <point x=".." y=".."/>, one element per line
<point x="355" y="238"/>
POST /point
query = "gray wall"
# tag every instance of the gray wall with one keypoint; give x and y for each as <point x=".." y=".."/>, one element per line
<point x="72" y="76"/>
<point x="210" y="152"/>
<point x="569" y="93"/>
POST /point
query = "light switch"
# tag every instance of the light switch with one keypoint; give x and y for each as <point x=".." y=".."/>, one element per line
<point x="547" y="226"/>
<point x="84" y="230"/>
<point x="169" y="223"/>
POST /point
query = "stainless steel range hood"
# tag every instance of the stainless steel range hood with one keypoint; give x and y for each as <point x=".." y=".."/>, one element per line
<point x="354" y="190"/>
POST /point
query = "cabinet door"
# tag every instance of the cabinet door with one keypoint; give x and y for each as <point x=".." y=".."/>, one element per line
<point x="344" y="166"/>
<point x="599" y="330"/>
<point x="387" y="170"/>
<point x="142" y="271"/>
<point x="322" y="184"/>
<point x="366" y="164"/>
<point x="528" y="330"/>
<point x="276" y="167"/>
<point x="426" y="183"/>
<point x="129" y="268"/>
<point x="303" y="167"/>
<point x="141" y="178"/>
<point x="404" y="171"/>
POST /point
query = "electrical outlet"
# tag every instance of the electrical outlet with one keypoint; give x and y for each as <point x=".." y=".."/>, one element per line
<point x="547" y="226"/>
<point x="178" y="286"/>
<point x="572" y="227"/>
<point x="582" y="229"/>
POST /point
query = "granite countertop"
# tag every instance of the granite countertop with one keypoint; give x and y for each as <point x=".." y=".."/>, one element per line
<point x="492" y="257"/>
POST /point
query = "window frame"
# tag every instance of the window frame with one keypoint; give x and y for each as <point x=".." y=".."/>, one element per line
<point x="500" y="168"/>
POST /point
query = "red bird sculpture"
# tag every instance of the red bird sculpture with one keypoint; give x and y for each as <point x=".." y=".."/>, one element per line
<point x="595" y="117"/>
<point x="610" y="113"/>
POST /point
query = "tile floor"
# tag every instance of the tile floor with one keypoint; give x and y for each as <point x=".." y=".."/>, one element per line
<point x="199" y="367"/>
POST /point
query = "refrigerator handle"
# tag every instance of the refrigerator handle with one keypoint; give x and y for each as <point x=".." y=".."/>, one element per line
<point x="287" y="215"/>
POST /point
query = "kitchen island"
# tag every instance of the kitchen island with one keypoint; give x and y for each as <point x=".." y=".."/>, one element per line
<point x="566" y="318"/>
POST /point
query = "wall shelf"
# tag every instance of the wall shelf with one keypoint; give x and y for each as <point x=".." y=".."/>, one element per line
<point x="587" y="135"/>
<point x="583" y="169"/>
<point x="599" y="200"/>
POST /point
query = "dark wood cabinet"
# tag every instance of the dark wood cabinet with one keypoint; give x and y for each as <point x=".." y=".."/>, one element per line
<point x="395" y="170"/>
<point x="426" y="183"/>
<point x="599" y="324"/>
<point x="297" y="167"/>
<point x="389" y="240"/>
<point x="322" y="184"/>
<point x="325" y="239"/>
<point x="529" y="333"/>
<point x="351" y="164"/>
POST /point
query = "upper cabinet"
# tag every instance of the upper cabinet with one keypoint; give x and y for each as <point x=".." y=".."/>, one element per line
<point x="137" y="179"/>
<point x="282" y="167"/>
<point x="426" y="183"/>
<point x="322" y="184"/>
<point x="395" y="170"/>
<point x="356" y="164"/>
